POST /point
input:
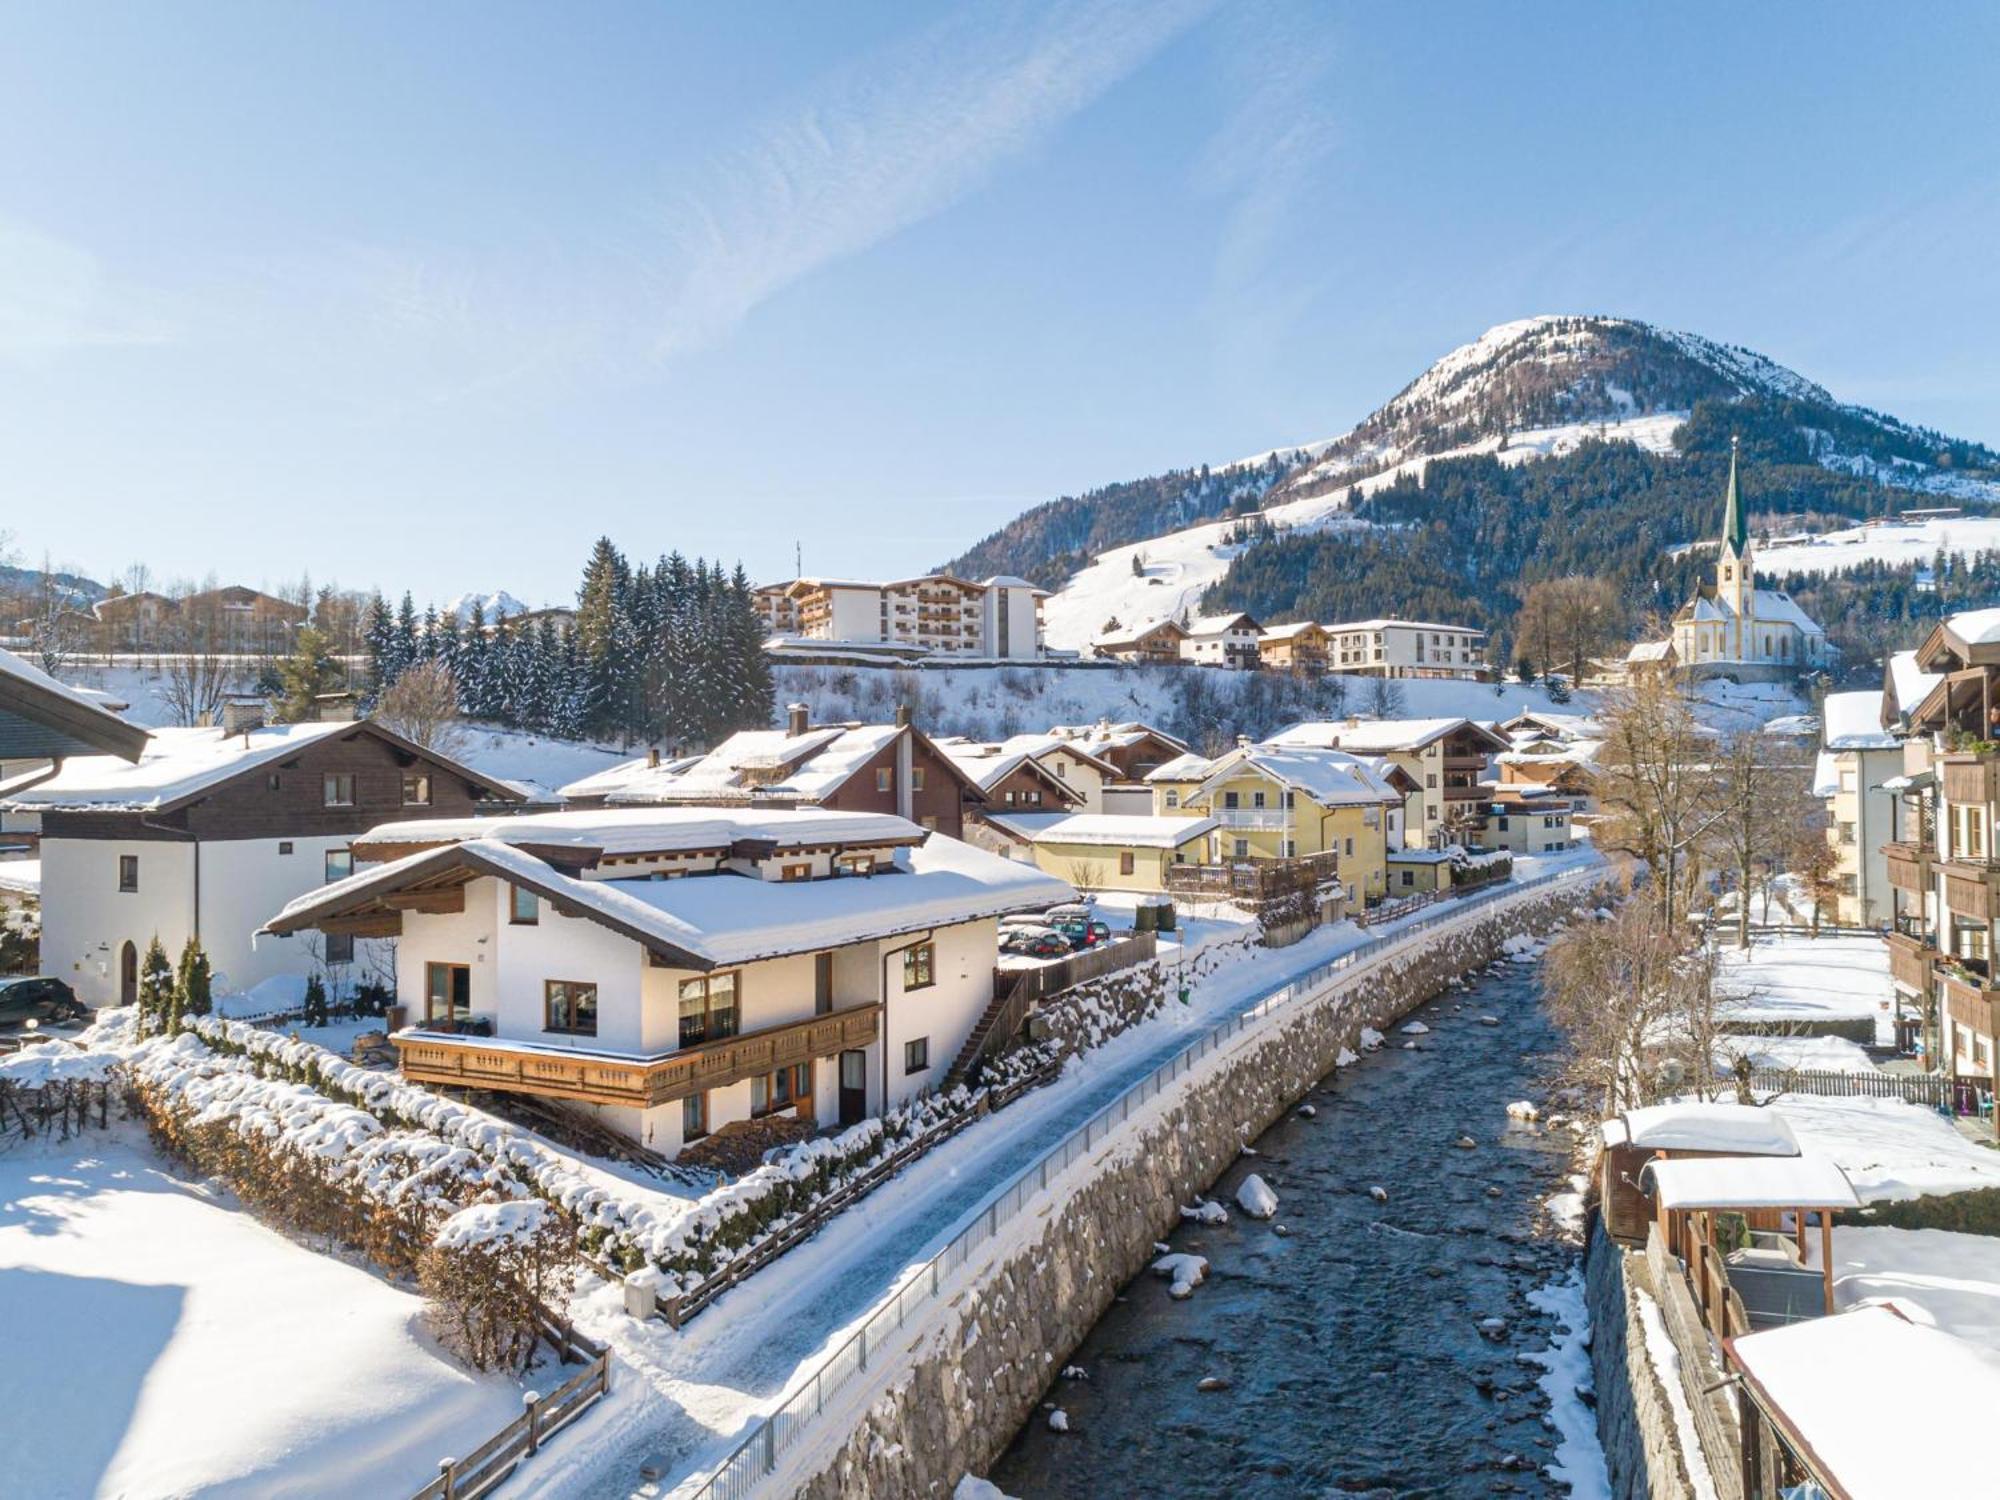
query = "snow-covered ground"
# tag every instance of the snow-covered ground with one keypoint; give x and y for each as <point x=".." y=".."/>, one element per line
<point x="1889" y="1149"/>
<point x="1894" y="543"/>
<point x="156" y="1340"/>
<point x="1935" y="1277"/>
<point x="687" y="1397"/>
<point x="1805" y="979"/>
<point x="1823" y="1054"/>
<point x="1566" y="1373"/>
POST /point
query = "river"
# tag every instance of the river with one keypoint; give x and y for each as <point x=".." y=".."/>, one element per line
<point x="1351" y="1343"/>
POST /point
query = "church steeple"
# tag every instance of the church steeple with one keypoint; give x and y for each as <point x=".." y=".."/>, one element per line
<point x="1735" y="534"/>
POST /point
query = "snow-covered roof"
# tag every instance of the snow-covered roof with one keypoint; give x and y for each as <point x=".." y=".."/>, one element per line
<point x="1650" y="651"/>
<point x="1204" y="625"/>
<point x="1749" y="1182"/>
<point x="1909" y="683"/>
<point x="1009" y="581"/>
<point x="1562" y="726"/>
<point x="1825" y="1378"/>
<point x="1825" y="774"/>
<point x="175" y="765"/>
<point x="1774" y="606"/>
<point x="1104" y="737"/>
<point x="1400" y="624"/>
<point x="648" y="830"/>
<point x="986" y="766"/>
<point x="1853" y="721"/>
<point x="1187" y="767"/>
<point x="76" y="714"/>
<point x="1329" y="777"/>
<point x="769" y="763"/>
<point x="1287" y="632"/>
<point x="21" y="876"/>
<point x="710" y="921"/>
<point x="1976" y="627"/>
<point x="1115" y="830"/>
<point x="1376" y="736"/>
<point x="1131" y="635"/>
<point x="637" y="772"/>
<point x="1697" y="1126"/>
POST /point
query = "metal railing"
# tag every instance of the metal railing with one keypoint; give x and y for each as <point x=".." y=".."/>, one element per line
<point x="756" y="1457"/>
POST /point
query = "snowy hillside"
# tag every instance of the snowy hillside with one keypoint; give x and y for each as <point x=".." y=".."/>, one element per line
<point x="1894" y="543"/>
<point x="1538" y="387"/>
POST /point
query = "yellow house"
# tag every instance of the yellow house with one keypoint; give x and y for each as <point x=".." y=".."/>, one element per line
<point x="1115" y="852"/>
<point x="1273" y="802"/>
<point x="1446" y="759"/>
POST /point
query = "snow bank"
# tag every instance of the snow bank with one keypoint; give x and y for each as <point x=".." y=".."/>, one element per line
<point x="55" y="1061"/>
<point x="1255" y="1197"/>
<point x="1186" y="1272"/>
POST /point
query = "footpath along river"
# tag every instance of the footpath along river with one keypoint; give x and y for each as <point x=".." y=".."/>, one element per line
<point x="1357" y="1347"/>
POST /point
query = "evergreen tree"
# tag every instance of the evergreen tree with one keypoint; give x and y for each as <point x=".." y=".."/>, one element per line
<point x="193" y="984"/>
<point x="309" y="671"/>
<point x="378" y="640"/>
<point x="603" y="638"/>
<point x="404" y="654"/>
<point x="156" y="988"/>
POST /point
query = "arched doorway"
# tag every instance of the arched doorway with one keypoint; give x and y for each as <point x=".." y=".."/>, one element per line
<point x="128" y="975"/>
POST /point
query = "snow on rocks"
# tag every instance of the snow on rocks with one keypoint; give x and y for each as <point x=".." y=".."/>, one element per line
<point x="1212" y="1383"/>
<point x="1075" y="1372"/>
<point x="1255" y="1198"/>
<point x="1522" y="1109"/>
<point x="972" y="1487"/>
<point x="1345" y="1058"/>
<point x="1523" y="949"/>
<point x="1058" y="1420"/>
<point x="1371" y="1039"/>
<point x="1185" y="1272"/>
<point x="1205" y="1211"/>
<point x="1416" y="1028"/>
<point x="1308" y="1111"/>
<point x="1379" y="1193"/>
<point x="1465" y="1143"/>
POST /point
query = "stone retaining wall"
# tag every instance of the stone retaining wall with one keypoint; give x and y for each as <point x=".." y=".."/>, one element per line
<point x="1635" y="1421"/>
<point x="952" y="1397"/>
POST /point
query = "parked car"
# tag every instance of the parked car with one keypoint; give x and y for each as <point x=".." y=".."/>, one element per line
<point x="1034" y="942"/>
<point x="1076" y="923"/>
<point x="39" y="999"/>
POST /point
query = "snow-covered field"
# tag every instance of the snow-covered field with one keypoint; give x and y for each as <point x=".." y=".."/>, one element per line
<point x="1894" y="543"/>
<point x="1823" y="1054"/>
<point x="1804" y="979"/>
<point x="1935" y="1277"/>
<point x="1889" y="1149"/>
<point x="156" y="1340"/>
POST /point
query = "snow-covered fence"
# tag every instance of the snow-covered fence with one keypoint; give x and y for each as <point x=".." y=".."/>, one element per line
<point x="756" y="1458"/>
<point x="53" y="1086"/>
<point x="1932" y="1090"/>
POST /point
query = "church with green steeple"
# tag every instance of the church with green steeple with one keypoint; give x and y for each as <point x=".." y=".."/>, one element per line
<point x="1733" y="629"/>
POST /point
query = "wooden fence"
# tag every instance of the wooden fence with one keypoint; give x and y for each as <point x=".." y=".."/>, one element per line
<point x="1044" y="980"/>
<point x="1933" y="1090"/>
<point x="1701" y="1372"/>
<point x="481" y="1470"/>
<point x="677" y="1310"/>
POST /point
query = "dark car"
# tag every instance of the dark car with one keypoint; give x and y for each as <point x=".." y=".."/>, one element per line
<point x="1077" y="924"/>
<point x="1034" y="942"/>
<point x="39" y="999"/>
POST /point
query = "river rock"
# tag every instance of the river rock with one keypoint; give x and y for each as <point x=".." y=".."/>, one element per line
<point x="1212" y="1383"/>
<point x="1379" y="1193"/>
<point x="1307" y="1111"/>
<point x="1465" y="1143"/>
<point x="1255" y="1198"/>
<point x="1058" y="1420"/>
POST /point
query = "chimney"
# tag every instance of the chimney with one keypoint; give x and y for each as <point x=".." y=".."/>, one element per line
<point x="1354" y="721"/>
<point x="241" y="715"/>
<point x="797" y="720"/>
<point x="902" y="716"/>
<point x="652" y="757"/>
<point x="1242" y="742"/>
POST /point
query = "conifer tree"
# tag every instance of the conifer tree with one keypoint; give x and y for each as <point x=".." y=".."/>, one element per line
<point x="193" y="986"/>
<point x="156" y="988"/>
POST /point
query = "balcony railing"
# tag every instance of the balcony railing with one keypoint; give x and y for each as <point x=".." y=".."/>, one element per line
<point x="1969" y="888"/>
<point x="1969" y="997"/>
<point x="1910" y="956"/>
<point x="621" y="1078"/>
<point x="1906" y="866"/>
<point x="1269" y="819"/>
<point x="1970" y="776"/>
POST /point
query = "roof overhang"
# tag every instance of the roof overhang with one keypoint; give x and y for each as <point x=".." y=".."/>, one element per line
<point x="43" y="722"/>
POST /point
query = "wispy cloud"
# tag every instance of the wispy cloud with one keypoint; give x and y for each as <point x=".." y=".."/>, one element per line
<point x="55" y="297"/>
<point x="890" y="143"/>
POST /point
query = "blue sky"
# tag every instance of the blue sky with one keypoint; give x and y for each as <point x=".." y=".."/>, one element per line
<point x="429" y="296"/>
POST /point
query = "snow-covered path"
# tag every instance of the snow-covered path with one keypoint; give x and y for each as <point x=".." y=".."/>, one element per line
<point x="683" y="1400"/>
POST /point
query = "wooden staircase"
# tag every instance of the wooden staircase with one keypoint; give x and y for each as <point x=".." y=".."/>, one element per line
<point x="993" y="1030"/>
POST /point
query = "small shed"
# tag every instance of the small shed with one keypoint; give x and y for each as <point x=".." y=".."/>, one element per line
<point x="1810" y="1402"/>
<point x="1738" y="1224"/>
<point x="1418" y="872"/>
<point x="1684" y="1131"/>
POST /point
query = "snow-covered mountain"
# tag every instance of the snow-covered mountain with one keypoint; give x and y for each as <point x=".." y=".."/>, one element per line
<point x="491" y="606"/>
<point x="1534" y="388"/>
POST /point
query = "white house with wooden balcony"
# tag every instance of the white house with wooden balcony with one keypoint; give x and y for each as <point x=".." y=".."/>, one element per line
<point x="1446" y="759"/>
<point x="679" y="969"/>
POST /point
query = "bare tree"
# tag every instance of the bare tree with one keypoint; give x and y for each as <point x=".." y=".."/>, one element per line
<point x="57" y="630"/>
<point x="1385" y="698"/>
<point x="1757" y="788"/>
<point x="1612" y="986"/>
<point x="194" y="672"/>
<point x="1811" y="858"/>
<point x="1087" y="875"/>
<point x="1657" y="789"/>
<point x="422" y="706"/>
<point x="1569" y="622"/>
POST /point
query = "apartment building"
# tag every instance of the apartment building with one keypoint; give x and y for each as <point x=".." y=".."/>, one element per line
<point x="943" y="615"/>
<point x="1228" y="641"/>
<point x="679" y="970"/>
<point x="1407" y="648"/>
<point x="1857" y="757"/>
<point x="1446" y="761"/>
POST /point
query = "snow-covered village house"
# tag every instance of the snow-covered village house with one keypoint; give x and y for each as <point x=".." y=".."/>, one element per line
<point x="1156" y="645"/>
<point x="1284" y="802"/>
<point x="1407" y="648"/>
<point x="887" y="768"/>
<point x="1135" y="750"/>
<point x="1120" y="851"/>
<point x="1297" y="647"/>
<point x="1524" y="820"/>
<point x="1229" y="641"/>
<point x="681" y="969"/>
<point x="999" y="617"/>
<point x="1445" y="758"/>
<point x="43" y="721"/>
<point x="1857" y="757"/>
<point x="210" y="828"/>
<point x="1733" y="629"/>
<point x="1944" y="861"/>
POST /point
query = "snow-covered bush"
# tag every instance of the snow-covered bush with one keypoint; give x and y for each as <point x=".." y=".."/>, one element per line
<point x="489" y="1271"/>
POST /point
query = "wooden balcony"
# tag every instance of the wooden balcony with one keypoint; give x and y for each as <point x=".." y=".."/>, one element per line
<point x="612" y="1078"/>
<point x="1910" y="961"/>
<point x="1969" y="888"/>
<point x="1971" y="1002"/>
<point x="1906" y="867"/>
<point x="1970" y="776"/>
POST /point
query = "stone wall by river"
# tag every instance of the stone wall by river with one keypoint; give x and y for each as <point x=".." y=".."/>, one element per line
<point x="948" y="1402"/>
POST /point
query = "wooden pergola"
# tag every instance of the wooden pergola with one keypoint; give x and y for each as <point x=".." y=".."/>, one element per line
<point x="1690" y="1198"/>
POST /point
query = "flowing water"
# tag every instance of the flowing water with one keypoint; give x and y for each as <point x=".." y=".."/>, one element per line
<point x="1351" y="1345"/>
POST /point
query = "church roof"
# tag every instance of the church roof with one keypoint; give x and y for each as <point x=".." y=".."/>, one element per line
<point x="1735" y="532"/>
